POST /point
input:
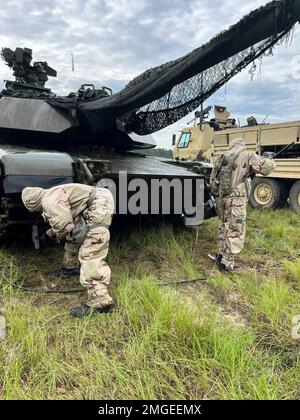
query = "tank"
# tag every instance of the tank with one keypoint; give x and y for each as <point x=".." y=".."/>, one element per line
<point x="44" y="146"/>
<point x="150" y="102"/>
<point x="88" y="135"/>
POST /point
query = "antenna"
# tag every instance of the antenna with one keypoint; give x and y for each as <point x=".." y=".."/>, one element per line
<point x="73" y="65"/>
<point x="266" y="118"/>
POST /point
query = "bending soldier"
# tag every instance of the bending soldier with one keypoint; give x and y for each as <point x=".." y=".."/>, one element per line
<point x="61" y="207"/>
<point x="231" y="185"/>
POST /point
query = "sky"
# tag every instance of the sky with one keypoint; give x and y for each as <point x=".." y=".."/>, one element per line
<point x="114" y="41"/>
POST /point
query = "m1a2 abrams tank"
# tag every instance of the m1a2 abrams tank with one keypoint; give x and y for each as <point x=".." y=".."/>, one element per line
<point x="48" y="140"/>
<point x="42" y="145"/>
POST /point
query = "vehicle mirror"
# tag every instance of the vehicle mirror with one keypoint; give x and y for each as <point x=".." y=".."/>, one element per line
<point x="174" y="140"/>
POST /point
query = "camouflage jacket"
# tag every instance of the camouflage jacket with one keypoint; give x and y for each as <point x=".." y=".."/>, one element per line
<point x="62" y="204"/>
<point x="246" y="163"/>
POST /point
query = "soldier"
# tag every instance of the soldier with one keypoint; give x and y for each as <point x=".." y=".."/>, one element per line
<point x="65" y="206"/>
<point x="231" y="185"/>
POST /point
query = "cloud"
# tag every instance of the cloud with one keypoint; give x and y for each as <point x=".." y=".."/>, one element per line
<point x="113" y="42"/>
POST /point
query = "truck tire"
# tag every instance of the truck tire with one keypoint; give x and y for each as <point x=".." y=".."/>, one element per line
<point x="268" y="193"/>
<point x="295" y="197"/>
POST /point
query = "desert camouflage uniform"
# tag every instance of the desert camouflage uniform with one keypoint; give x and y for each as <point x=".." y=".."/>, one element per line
<point x="232" y="209"/>
<point x="60" y="206"/>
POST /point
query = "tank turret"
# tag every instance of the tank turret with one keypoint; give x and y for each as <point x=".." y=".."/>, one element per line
<point x="30" y="79"/>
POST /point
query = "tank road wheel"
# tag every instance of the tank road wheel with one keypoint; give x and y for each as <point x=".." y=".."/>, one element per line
<point x="295" y="197"/>
<point x="268" y="193"/>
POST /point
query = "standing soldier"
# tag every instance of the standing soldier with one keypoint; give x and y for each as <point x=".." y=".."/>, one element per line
<point x="81" y="215"/>
<point x="231" y="185"/>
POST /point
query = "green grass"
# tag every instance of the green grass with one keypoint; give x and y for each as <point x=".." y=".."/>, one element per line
<point x="228" y="337"/>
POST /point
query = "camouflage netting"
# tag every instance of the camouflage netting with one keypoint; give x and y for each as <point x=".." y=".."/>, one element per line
<point x="187" y="96"/>
<point x="163" y="95"/>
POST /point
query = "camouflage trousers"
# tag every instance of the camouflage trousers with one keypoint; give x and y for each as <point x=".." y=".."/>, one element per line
<point x="231" y="236"/>
<point x="94" y="272"/>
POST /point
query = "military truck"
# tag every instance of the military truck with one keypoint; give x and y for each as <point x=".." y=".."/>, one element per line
<point x="207" y="139"/>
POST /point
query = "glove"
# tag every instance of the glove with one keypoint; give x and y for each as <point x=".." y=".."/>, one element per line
<point x="51" y="234"/>
<point x="267" y="166"/>
<point x="269" y="155"/>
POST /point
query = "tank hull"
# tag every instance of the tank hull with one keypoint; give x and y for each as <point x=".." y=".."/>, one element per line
<point x="25" y="167"/>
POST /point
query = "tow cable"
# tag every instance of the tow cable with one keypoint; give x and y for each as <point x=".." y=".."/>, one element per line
<point x="36" y="290"/>
<point x="13" y="284"/>
<point x="71" y="291"/>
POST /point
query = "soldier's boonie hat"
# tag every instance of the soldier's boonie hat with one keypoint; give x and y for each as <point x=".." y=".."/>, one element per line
<point x="32" y="199"/>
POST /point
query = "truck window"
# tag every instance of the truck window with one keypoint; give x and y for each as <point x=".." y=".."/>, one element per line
<point x="184" y="141"/>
